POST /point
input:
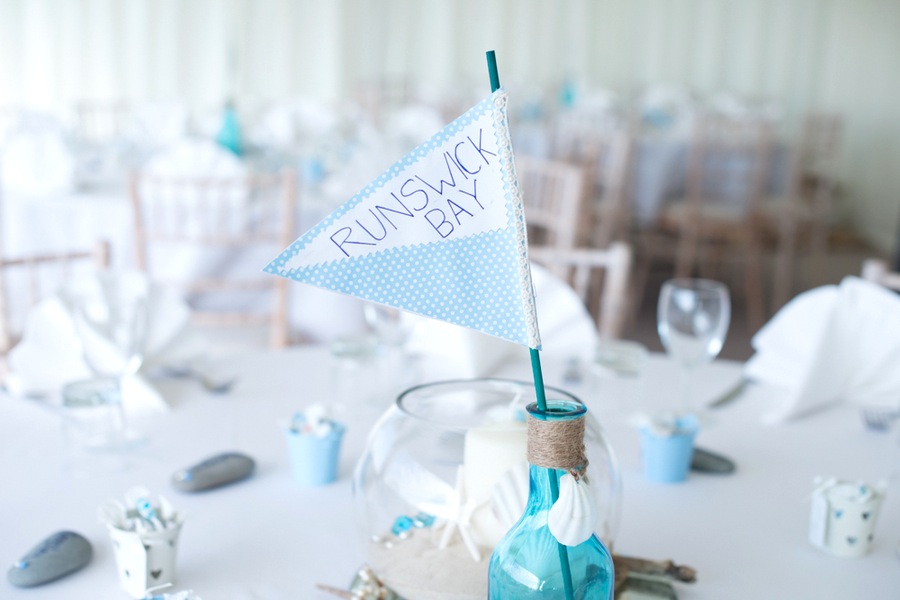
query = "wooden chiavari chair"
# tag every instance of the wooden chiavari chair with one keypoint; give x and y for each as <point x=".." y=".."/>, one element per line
<point x="214" y="224"/>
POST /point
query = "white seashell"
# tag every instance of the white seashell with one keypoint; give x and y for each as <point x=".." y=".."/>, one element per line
<point x="510" y="495"/>
<point x="572" y="517"/>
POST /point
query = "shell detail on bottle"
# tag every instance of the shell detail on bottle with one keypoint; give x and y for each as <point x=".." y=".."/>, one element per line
<point x="572" y="517"/>
<point x="510" y="495"/>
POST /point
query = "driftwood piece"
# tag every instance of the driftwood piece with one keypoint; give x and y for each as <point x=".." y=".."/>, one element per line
<point x="664" y="568"/>
<point x="335" y="591"/>
<point x="366" y="586"/>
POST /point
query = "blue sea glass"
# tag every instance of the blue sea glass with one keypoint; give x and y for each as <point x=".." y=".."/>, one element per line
<point x="529" y="563"/>
<point x="402" y="525"/>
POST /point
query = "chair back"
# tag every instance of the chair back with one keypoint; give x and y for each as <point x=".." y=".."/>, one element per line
<point x="814" y="165"/>
<point x="210" y="237"/>
<point x="99" y="122"/>
<point x="25" y="280"/>
<point x="820" y="146"/>
<point x="606" y="154"/>
<point x="729" y="165"/>
<point x="612" y="208"/>
<point x="552" y="194"/>
<point x="599" y="277"/>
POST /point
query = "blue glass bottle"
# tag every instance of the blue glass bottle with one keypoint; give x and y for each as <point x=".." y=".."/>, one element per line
<point x="529" y="562"/>
<point x="229" y="136"/>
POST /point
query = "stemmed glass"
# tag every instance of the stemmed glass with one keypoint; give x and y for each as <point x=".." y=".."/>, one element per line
<point x="393" y="328"/>
<point x="391" y="325"/>
<point x="110" y="322"/>
<point x="692" y="320"/>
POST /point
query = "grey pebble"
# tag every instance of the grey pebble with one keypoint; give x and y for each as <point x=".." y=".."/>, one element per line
<point x="213" y="472"/>
<point x="57" y="555"/>
<point x="704" y="461"/>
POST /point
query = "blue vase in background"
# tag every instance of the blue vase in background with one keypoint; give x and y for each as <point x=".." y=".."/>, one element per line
<point x="568" y="93"/>
<point x="229" y="136"/>
<point x="529" y="562"/>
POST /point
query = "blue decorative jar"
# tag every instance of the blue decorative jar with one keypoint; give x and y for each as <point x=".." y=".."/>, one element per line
<point x="530" y="562"/>
<point x="229" y="136"/>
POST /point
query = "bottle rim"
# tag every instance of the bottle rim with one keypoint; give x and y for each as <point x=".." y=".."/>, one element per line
<point x="405" y="402"/>
<point x="558" y="410"/>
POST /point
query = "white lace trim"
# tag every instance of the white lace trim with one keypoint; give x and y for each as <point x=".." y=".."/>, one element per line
<point x="511" y="180"/>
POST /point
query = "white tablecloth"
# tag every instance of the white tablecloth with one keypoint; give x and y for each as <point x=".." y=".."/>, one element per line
<point x="267" y="538"/>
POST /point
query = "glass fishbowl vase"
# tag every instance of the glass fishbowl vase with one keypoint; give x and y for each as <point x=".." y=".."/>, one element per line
<point x="444" y="477"/>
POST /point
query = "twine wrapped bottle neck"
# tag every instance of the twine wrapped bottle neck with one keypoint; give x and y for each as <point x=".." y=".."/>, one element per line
<point x="557" y="444"/>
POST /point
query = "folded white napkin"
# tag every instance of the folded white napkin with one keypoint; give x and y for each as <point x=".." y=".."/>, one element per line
<point x="455" y="351"/>
<point x="668" y="109"/>
<point x="276" y="127"/>
<point x="736" y="106"/>
<point x="58" y="347"/>
<point x="158" y="124"/>
<point x="567" y="332"/>
<point x="831" y="344"/>
<point x="411" y="124"/>
<point x="594" y="110"/>
<point x="302" y="120"/>
<point x="322" y="316"/>
<point x="360" y="161"/>
<point x="195" y="158"/>
<point x="599" y="101"/>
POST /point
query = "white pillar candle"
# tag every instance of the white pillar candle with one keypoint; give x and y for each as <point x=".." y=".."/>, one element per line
<point x="489" y="452"/>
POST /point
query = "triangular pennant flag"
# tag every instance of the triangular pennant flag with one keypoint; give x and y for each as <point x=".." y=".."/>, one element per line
<point x="440" y="234"/>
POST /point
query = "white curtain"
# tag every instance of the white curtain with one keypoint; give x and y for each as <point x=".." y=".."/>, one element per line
<point x="804" y="54"/>
<point x="59" y="51"/>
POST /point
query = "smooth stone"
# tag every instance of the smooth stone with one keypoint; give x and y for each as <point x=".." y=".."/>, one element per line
<point x="214" y="472"/>
<point x="704" y="461"/>
<point x="59" y="554"/>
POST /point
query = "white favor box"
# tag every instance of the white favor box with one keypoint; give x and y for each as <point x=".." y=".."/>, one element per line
<point x="843" y="516"/>
<point x="145" y="560"/>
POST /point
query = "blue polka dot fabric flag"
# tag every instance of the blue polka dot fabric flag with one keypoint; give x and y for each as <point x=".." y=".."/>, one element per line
<point x="440" y="234"/>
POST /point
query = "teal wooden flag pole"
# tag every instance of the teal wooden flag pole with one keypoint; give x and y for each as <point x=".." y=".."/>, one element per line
<point x="540" y="392"/>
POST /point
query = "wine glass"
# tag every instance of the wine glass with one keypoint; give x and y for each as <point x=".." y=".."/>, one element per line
<point x="393" y="328"/>
<point x="692" y="321"/>
<point x="391" y="325"/>
<point x="110" y="322"/>
<point x="109" y="314"/>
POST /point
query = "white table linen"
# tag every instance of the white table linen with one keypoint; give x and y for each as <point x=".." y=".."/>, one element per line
<point x="61" y="344"/>
<point x="835" y="343"/>
<point x="268" y="538"/>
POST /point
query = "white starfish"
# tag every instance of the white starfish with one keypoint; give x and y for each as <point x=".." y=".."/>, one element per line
<point x="460" y="511"/>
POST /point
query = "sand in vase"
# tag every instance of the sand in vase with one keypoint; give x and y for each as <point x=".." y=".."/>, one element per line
<point x="416" y="568"/>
